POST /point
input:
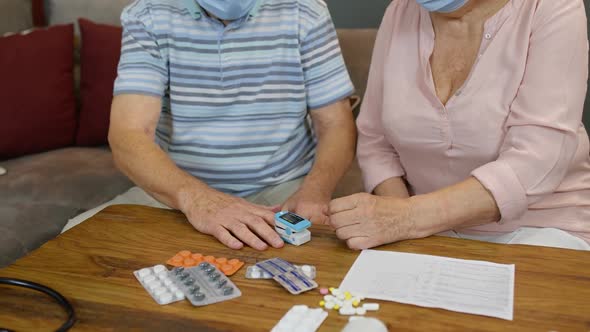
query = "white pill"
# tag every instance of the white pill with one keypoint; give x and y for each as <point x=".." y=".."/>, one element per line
<point x="255" y="274"/>
<point x="159" y="268"/>
<point x="160" y="290"/>
<point x="2" y="171"/>
<point x="361" y="311"/>
<point x="173" y="289"/>
<point x="329" y="298"/>
<point x="165" y="297"/>
<point x="149" y="278"/>
<point x="167" y="282"/>
<point x="329" y="305"/>
<point x="144" y="272"/>
<point x="163" y="275"/>
<point x="340" y="296"/>
<point x="347" y="311"/>
<point x="371" y="306"/>
<point x="306" y="269"/>
<point x="153" y="285"/>
<point x="179" y="295"/>
<point x="254" y="268"/>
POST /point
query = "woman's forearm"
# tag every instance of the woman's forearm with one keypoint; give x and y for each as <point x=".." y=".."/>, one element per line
<point x="461" y="205"/>
<point x="392" y="187"/>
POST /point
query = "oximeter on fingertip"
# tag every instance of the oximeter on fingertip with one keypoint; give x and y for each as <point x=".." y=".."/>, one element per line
<point x="292" y="228"/>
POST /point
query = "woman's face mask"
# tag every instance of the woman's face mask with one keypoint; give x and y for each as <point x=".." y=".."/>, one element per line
<point x="442" y="6"/>
<point x="227" y="10"/>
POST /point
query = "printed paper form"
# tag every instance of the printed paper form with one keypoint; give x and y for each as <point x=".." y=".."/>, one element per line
<point x="473" y="287"/>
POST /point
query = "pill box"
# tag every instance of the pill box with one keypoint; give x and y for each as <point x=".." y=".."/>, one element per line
<point x="254" y="272"/>
<point x="204" y="284"/>
<point x="188" y="259"/>
<point x="157" y="281"/>
<point x="301" y="318"/>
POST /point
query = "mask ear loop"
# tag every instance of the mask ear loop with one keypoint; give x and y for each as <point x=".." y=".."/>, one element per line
<point x="61" y="300"/>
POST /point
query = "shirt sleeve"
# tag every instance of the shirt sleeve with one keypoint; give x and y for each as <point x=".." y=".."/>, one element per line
<point x="326" y="77"/>
<point x="542" y="127"/>
<point x="142" y="67"/>
<point x="377" y="158"/>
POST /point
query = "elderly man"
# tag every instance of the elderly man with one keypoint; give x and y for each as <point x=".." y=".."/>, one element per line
<point x="212" y="111"/>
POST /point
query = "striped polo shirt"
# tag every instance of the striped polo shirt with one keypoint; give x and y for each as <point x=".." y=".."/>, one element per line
<point x="236" y="97"/>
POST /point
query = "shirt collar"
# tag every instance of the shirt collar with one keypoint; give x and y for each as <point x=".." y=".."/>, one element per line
<point x="197" y="12"/>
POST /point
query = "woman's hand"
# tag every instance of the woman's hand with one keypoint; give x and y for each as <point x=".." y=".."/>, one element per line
<point x="366" y="221"/>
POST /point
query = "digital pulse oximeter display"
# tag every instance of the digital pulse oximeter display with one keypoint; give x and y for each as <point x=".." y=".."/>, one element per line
<point x="291" y="221"/>
<point x="292" y="218"/>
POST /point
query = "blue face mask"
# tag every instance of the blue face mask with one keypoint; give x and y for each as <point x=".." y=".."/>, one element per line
<point x="442" y="6"/>
<point x="228" y="10"/>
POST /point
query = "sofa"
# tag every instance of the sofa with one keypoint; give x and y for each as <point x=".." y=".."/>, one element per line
<point x="41" y="191"/>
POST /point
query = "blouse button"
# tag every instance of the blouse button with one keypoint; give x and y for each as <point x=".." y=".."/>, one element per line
<point x="488" y="36"/>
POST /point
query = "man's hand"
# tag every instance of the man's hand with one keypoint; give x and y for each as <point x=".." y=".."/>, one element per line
<point x="310" y="203"/>
<point x="366" y="221"/>
<point x="234" y="221"/>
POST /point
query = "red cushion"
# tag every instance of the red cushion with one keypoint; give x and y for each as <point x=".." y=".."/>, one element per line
<point x="38" y="111"/>
<point x="99" y="57"/>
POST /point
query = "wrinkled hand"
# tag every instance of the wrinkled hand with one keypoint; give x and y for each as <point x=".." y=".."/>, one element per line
<point x="366" y="221"/>
<point x="309" y="203"/>
<point x="235" y="221"/>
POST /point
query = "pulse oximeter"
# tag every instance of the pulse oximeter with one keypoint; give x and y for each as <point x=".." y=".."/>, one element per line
<point x="292" y="228"/>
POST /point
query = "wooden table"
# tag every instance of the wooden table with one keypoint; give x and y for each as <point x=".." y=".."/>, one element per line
<point x="92" y="266"/>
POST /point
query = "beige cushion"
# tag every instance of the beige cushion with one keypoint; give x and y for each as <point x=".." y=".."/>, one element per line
<point x="15" y="15"/>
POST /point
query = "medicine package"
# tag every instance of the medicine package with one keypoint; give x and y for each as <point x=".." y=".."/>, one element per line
<point x="254" y="272"/>
<point x="287" y="275"/>
<point x="201" y="285"/>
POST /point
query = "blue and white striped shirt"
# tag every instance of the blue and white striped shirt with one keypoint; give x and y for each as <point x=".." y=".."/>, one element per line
<point x="235" y="97"/>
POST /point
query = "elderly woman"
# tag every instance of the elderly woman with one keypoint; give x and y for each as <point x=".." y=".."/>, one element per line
<point x="471" y="126"/>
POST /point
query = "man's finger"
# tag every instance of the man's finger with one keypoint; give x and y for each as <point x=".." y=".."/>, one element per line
<point x="242" y="232"/>
<point x="358" y="243"/>
<point x="268" y="234"/>
<point x="343" y="204"/>
<point x="344" y="218"/>
<point x="348" y="232"/>
<point x="267" y="215"/>
<point x="226" y="238"/>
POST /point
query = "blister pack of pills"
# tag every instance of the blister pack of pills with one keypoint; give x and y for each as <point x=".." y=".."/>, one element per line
<point x="204" y="284"/>
<point x="158" y="283"/>
<point x="188" y="259"/>
<point x="295" y="282"/>
<point x="254" y="272"/>
<point x="275" y="266"/>
<point x="301" y="318"/>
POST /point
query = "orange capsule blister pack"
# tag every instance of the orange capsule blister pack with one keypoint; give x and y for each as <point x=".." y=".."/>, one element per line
<point x="187" y="259"/>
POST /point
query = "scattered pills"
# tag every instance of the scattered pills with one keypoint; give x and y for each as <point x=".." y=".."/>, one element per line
<point x="346" y="311"/>
<point x="301" y="318"/>
<point x="371" y="306"/>
<point x="186" y="259"/>
<point x="345" y="302"/>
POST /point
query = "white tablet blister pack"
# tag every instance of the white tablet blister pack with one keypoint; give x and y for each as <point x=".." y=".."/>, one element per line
<point x="254" y="272"/>
<point x="158" y="283"/>
<point x="301" y="318"/>
<point x="204" y="284"/>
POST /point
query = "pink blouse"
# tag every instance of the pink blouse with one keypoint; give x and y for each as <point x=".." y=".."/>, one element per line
<point x="515" y="125"/>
